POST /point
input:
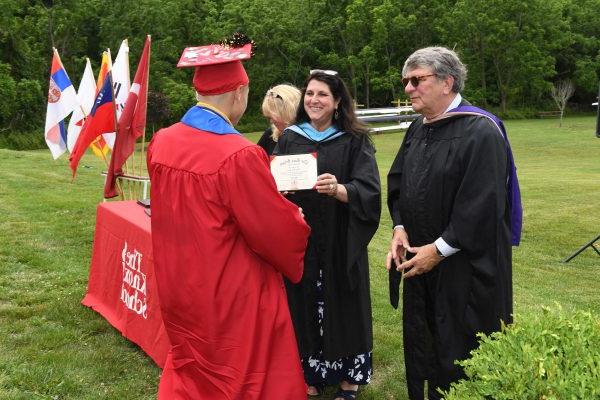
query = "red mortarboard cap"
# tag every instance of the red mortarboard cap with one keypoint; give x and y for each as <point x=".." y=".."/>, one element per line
<point x="218" y="68"/>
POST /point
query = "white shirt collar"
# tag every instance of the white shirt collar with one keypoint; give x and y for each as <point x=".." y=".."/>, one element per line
<point x="455" y="103"/>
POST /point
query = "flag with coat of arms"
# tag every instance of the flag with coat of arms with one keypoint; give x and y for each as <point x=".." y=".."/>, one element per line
<point x="62" y="99"/>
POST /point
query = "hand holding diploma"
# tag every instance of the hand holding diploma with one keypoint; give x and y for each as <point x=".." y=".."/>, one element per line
<point x="294" y="172"/>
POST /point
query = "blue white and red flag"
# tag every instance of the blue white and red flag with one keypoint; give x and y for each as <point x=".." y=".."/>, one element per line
<point x="62" y="99"/>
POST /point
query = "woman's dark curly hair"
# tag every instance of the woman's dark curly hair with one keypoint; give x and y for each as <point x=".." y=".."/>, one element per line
<point x="346" y="120"/>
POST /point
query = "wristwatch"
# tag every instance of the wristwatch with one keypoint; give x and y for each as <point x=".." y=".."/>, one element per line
<point x="438" y="252"/>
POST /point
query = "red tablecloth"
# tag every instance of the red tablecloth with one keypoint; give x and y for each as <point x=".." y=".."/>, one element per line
<point x="121" y="283"/>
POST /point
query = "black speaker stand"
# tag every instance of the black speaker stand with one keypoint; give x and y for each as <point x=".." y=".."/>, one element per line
<point x="588" y="244"/>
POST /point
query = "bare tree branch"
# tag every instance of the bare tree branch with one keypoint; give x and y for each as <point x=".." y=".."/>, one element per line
<point x="561" y="93"/>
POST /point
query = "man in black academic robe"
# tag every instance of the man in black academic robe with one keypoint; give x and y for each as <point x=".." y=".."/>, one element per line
<point x="451" y="209"/>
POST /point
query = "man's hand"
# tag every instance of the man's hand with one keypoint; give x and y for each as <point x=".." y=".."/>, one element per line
<point x="398" y="248"/>
<point x="425" y="259"/>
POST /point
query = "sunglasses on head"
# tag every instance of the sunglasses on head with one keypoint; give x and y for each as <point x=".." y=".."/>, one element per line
<point x="323" y="71"/>
<point x="272" y="93"/>
<point x="415" y="80"/>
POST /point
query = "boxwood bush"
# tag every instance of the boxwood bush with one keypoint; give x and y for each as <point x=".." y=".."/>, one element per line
<point x="549" y="355"/>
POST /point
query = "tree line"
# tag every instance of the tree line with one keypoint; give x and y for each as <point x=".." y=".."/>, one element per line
<point x="515" y="50"/>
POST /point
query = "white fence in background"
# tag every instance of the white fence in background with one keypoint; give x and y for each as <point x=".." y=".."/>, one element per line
<point x="398" y="117"/>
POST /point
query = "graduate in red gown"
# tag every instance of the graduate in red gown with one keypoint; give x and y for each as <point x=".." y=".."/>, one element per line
<point x="222" y="239"/>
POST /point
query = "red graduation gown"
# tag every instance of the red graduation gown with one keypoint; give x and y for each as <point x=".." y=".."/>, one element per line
<point x="222" y="238"/>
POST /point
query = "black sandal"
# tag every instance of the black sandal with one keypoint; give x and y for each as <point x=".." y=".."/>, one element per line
<point x="319" y="389"/>
<point x="345" y="394"/>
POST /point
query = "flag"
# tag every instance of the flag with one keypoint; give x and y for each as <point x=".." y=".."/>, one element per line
<point x="99" y="145"/>
<point x="101" y="119"/>
<point x="105" y="66"/>
<point x="132" y="123"/>
<point x="86" y="94"/>
<point x="121" y="80"/>
<point x="62" y="99"/>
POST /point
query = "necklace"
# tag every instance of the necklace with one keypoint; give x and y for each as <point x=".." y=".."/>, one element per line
<point x="215" y="109"/>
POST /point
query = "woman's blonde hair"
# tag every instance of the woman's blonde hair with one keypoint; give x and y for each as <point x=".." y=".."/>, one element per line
<point x="281" y="102"/>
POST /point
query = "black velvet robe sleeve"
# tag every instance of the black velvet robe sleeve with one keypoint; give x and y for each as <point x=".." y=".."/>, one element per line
<point x="364" y="203"/>
<point x="480" y="199"/>
<point x="393" y="181"/>
<point x="266" y="141"/>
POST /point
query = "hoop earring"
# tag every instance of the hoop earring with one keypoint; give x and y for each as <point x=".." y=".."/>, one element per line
<point x="336" y="115"/>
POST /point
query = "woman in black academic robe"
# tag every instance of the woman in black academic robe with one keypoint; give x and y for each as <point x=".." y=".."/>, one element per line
<point x="331" y="305"/>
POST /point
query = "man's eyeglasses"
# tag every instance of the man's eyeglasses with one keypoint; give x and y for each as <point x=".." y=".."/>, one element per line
<point x="323" y="71"/>
<point x="415" y="80"/>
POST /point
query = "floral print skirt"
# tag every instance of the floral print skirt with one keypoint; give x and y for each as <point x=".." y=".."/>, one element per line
<point x="320" y="372"/>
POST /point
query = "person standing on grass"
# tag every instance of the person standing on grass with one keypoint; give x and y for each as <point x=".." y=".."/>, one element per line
<point x="454" y="200"/>
<point x="216" y="215"/>
<point x="331" y="305"/>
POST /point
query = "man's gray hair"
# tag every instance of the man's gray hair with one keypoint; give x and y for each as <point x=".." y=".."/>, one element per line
<point x="442" y="61"/>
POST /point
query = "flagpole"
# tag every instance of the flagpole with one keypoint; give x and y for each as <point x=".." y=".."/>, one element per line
<point x="133" y="154"/>
<point x="127" y="169"/>
<point x="105" y="160"/>
<point x="149" y="37"/>
<point x="135" y="192"/>
<point x="128" y="181"/>
<point x="116" y="123"/>
<point x="142" y="152"/>
<point x="103" y="157"/>
<point x="112" y="89"/>
<point x="132" y="168"/>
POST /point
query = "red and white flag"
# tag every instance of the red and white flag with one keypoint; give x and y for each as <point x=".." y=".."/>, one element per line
<point x="131" y="124"/>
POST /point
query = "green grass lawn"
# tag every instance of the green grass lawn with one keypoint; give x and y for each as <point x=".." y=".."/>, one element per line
<point x="51" y="347"/>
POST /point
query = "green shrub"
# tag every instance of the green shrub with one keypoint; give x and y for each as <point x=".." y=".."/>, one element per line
<point x="22" y="140"/>
<point x="252" y="122"/>
<point x="547" y="355"/>
<point x="180" y="97"/>
<point x="517" y="113"/>
<point x="8" y="93"/>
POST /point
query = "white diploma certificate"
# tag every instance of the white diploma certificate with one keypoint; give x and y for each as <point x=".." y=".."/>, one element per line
<point x="294" y="172"/>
